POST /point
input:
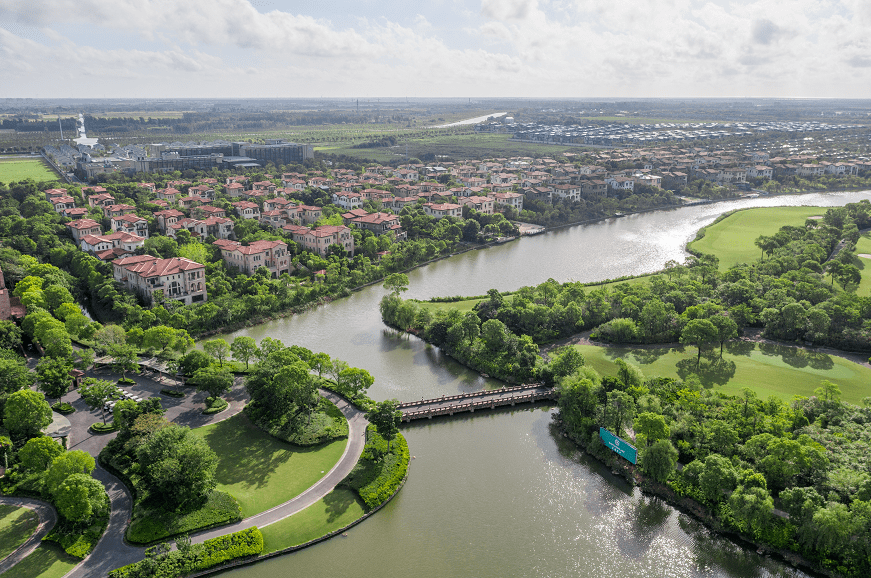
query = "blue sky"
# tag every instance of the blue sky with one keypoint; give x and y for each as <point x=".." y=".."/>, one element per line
<point x="481" y="48"/>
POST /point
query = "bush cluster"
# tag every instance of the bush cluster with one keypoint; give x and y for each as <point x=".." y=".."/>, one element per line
<point x="379" y="473"/>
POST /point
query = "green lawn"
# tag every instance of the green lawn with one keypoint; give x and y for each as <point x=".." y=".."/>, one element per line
<point x="336" y="510"/>
<point x="260" y="471"/>
<point x="47" y="561"/>
<point x="863" y="247"/>
<point x="732" y="239"/>
<point x="16" y="526"/>
<point x="777" y="370"/>
<point x="19" y="169"/>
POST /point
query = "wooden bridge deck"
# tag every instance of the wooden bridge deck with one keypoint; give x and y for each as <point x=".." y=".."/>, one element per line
<point x="470" y="402"/>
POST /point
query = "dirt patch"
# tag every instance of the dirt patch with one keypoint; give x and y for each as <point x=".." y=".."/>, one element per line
<point x="864" y="255"/>
<point x="816" y="217"/>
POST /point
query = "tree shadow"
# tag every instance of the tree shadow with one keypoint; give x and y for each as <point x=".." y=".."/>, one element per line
<point x="711" y="371"/>
<point x="798" y="357"/>
<point x="743" y="348"/>
<point x="646" y="522"/>
<point x="247" y="455"/>
<point x="338" y="502"/>
<point x="648" y="355"/>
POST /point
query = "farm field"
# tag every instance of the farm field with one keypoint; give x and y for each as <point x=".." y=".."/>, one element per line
<point x="17" y="169"/>
<point x="767" y="369"/>
<point x="261" y="471"/>
<point x="454" y="146"/>
<point x="732" y="240"/>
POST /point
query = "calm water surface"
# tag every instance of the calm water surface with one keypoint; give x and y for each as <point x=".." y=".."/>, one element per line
<point x="500" y="494"/>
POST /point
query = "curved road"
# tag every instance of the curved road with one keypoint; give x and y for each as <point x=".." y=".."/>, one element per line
<point x="112" y="551"/>
<point x="47" y="520"/>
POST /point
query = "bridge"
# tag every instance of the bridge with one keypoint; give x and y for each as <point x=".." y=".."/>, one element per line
<point x="471" y="402"/>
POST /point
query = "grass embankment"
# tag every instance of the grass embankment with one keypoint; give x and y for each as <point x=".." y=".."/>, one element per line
<point x="47" y="561"/>
<point x="20" y="169"/>
<point x="767" y="369"/>
<point x="732" y="240"/>
<point x="376" y="477"/>
<point x="260" y="470"/>
<point x="336" y="510"/>
<point x="863" y="247"/>
<point x="16" y="526"/>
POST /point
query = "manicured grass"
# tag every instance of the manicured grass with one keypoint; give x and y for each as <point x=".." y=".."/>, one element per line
<point x="19" y="169"/>
<point x="336" y="510"/>
<point x="732" y="240"/>
<point x="261" y="471"/>
<point x="16" y="526"/>
<point x="864" y="264"/>
<point x="47" y="561"/>
<point x="777" y="370"/>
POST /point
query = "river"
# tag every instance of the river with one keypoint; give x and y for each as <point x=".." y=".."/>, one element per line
<point x="499" y="494"/>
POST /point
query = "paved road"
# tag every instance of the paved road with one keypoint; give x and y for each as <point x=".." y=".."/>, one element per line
<point x="356" y="440"/>
<point x="112" y="551"/>
<point x="47" y="520"/>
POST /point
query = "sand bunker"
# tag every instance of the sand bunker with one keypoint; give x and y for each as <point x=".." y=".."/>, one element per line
<point x="864" y="255"/>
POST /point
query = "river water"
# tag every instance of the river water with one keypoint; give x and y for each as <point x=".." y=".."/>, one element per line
<point x="499" y="494"/>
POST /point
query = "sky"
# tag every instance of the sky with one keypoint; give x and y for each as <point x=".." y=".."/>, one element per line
<point x="438" y="48"/>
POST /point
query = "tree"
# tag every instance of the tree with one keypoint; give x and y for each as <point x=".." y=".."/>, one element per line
<point x="620" y="408"/>
<point x="218" y="349"/>
<point x="355" y="381"/>
<point x="718" y="478"/>
<point x="658" y="460"/>
<point x="847" y="276"/>
<point x="268" y="346"/>
<point x="67" y="464"/>
<point x="244" y="348"/>
<point x="216" y="381"/>
<point x="109" y="336"/>
<point x="828" y="391"/>
<point x="54" y="376"/>
<point x="321" y="363"/>
<point x="193" y="361"/>
<point x="38" y="453"/>
<point x="767" y="244"/>
<point x="79" y="497"/>
<point x="10" y="335"/>
<point x="98" y="392"/>
<point x="5" y="445"/>
<point x="26" y="413"/>
<point x="14" y="376"/>
<point x="565" y="361"/>
<point x="124" y="358"/>
<point x="337" y="366"/>
<point x="396" y="283"/>
<point x="295" y="383"/>
<point x="178" y="467"/>
<point x="652" y="426"/>
<point x="726" y="329"/>
<point x="699" y="332"/>
<point x="386" y="417"/>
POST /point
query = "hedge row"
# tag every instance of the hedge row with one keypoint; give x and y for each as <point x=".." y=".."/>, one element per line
<point x="379" y="473"/>
<point x="195" y="558"/>
<point x="154" y="525"/>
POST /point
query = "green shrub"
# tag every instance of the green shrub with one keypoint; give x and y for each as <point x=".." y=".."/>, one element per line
<point x="150" y="526"/>
<point x="100" y="428"/>
<point x="379" y="473"/>
<point x="172" y="392"/>
<point x="126" y="380"/>
<point x="326" y="423"/>
<point x="63" y="408"/>
<point x="236" y="545"/>
<point x="215" y="405"/>
<point x="198" y="557"/>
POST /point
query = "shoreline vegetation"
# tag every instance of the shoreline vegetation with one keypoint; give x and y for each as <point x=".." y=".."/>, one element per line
<point x="787" y="473"/>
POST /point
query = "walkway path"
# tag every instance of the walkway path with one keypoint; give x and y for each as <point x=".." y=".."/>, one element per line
<point x="112" y="551"/>
<point x="487" y="399"/>
<point x="356" y="440"/>
<point x="47" y="520"/>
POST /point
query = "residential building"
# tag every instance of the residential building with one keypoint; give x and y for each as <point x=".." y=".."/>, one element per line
<point x="379" y="223"/>
<point x="83" y="227"/>
<point x="117" y="210"/>
<point x="319" y="240"/>
<point x="180" y="279"/>
<point x="247" y="209"/>
<point x="514" y="200"/>
<point x="167" y="218"/>
<point x="309" y="214"/>
<point x="63" y="203"/>
<point x="483" y="205"/>
<point x="132" y="224"/>
<point x="440" y="210"/>
<point x="248" y="258"/>
<point x="122" y="243"/>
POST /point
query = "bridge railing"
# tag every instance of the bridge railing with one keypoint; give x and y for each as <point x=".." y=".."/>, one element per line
<point x="473" y="405"/>
<point x="483" y="393"/>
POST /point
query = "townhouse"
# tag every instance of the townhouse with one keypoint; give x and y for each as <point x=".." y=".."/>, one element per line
<point x="178" y="278"/>
<point x="78" y="229"/>
<point x="131" y="224"/>
<point x="248" y="258"/>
